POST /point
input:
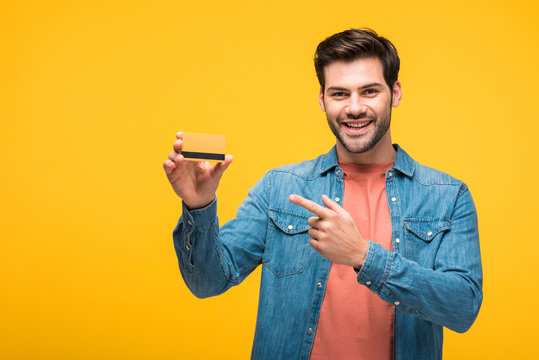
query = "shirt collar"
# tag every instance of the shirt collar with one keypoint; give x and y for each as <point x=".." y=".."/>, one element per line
<point x="329" y="161"/>
<point x="403" y="162"/>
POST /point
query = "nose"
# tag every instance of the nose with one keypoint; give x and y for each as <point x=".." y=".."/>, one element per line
<point x="354" y="107"/>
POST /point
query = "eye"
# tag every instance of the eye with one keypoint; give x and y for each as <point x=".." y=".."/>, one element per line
<point x="371" y="92"/>
<point x="338" y="94"/>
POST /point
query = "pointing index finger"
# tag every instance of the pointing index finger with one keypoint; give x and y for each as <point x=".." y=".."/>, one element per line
<point x="331" y="204"/>
<point x="310" y="205"/>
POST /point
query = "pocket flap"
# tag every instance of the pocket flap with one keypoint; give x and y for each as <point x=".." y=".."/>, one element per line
<point x="289" y="222"/>
<point x="426" y="229"/>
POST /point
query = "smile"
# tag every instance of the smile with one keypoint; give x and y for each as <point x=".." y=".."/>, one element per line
<point x="357" y="125"/>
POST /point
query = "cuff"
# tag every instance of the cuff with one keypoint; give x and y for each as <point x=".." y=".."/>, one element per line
<point x="376" y="268"/>
<point x="200" y="217"/>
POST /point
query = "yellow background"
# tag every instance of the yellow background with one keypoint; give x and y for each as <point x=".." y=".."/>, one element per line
<point x="92" y="93"/>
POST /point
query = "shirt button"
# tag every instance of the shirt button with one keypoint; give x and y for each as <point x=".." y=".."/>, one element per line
<point x="290" y="227"/>
<point x="337" y="199"/>
<point x="390" y="174"/>
<point x="309" y="330"/>
<point x="397" y="240"/>
<point x="393" y="199"/>
<point x="187" y="247"/>
<point x="397" y="303"/>
<point x="319" y="285"/>
<point x="429" y="233"/>
<point x="190" y="222"/>
<point x="338" y="172"/>
<point x="368" y="283"/>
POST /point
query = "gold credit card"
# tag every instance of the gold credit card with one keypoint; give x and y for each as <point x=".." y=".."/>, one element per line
<point x="203" y="147"/>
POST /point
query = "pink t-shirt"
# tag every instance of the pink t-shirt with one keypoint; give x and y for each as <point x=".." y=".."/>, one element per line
<point x="354" y="322"/>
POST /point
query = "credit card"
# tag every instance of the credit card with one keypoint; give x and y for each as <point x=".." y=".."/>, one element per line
<point x="202" y="147"/>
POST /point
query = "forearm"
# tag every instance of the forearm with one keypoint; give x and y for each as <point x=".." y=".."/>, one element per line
<point x="213" y="259"/>
<point x="449" y="298"/>
<point x="196" y="242"/>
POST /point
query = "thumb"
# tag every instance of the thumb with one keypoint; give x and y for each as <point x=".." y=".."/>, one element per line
<point x="220" y="168"/>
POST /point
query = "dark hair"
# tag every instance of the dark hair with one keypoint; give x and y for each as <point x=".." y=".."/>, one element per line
<point x="355" y="44"/>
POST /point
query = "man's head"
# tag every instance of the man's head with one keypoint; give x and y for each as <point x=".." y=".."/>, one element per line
<point x="358" y="73"/>
<point x="355" y="44"/>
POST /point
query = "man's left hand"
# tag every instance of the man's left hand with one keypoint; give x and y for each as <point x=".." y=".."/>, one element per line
<point x="333" y="232"/>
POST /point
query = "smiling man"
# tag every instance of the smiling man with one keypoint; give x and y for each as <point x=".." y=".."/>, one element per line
<point x="365" y="253"/>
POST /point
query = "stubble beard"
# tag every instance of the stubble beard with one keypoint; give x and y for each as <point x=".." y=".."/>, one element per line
<point x="351" y="143"/>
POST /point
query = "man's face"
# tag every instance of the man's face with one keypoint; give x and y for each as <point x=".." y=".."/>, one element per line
<point x="358" y="102"/>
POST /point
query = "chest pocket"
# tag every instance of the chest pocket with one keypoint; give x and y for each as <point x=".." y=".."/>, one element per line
<point x="423" y="238"/>
<point x="287" y="243"/>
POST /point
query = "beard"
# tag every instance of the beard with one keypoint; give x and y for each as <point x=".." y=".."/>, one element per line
<point x="362" y="143"/>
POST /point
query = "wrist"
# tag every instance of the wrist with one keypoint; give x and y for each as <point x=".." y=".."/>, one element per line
<point x="201" y="203"/>
<point x="362" y="255"/>
<point x="199" y="218"/>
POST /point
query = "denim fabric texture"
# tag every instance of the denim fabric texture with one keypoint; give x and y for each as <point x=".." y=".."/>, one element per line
<point x="432" y="276"/>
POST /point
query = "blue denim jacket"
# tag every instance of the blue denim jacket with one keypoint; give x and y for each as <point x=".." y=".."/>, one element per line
<point x="433" y="275"/>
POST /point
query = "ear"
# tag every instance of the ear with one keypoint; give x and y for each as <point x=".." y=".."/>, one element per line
<point x="321" y="99"/>
<point x="397" y="93"/>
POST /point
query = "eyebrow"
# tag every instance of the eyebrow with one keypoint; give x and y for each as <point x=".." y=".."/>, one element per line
<point x="336" y="88"/>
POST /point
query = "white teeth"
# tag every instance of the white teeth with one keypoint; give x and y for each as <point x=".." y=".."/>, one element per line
<point x="357" y="126"/>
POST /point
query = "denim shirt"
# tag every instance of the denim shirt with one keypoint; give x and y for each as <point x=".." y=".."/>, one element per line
<point x="432" y="276"/>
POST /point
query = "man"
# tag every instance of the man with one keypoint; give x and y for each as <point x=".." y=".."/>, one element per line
<point x="389" y="258"/>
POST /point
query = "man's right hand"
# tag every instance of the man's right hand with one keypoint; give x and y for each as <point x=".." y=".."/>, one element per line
<point x="194" y="181"/>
